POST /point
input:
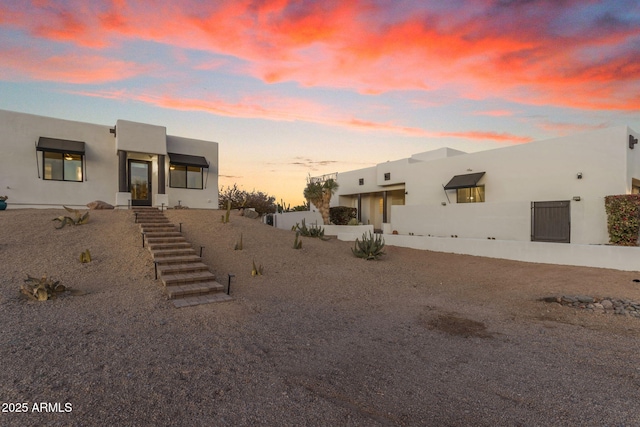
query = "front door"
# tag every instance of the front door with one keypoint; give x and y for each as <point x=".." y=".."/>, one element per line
<point x="140" y="182"/>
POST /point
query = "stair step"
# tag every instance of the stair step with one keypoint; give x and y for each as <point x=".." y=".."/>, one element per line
<point x="162" y="246"/>
<point x="182" y="268"/>
<point x="161" y="254"/>
<point x="187" y="278"/>
<point x="201" y="299"/>
<point x="165" y="239"/>
<point x="146" y="221"/>
<point x="156" y="225"/>
<point x="177" y="259"/>
<point x="154" y="234"/>
<point x="177" y="291"/>
<point x="165" y="229"/>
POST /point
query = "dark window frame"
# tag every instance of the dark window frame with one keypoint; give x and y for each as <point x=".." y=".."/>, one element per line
<point x="387" y="176"/>
<point x="63" y="156"/>
<point x="174" y="168"/>
<point x="464" y="198"/>
<point x="361" y="181"/>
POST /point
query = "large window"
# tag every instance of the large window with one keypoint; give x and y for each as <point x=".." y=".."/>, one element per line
<point x="185" y="177"/>
<point x="471" y="194"/>
<point x="62" y="166"/>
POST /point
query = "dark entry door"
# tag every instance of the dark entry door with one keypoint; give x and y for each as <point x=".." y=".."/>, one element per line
<point x="140" y="182"/>
<point x="551" y="221"/>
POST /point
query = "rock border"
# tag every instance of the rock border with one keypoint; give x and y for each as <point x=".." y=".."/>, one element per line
<point x="608" y="305"/>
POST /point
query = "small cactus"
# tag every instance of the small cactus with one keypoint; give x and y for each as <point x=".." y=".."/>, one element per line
<point x="238" y="246"/>
<point x="297" y="244"/>
<point x="85" y="256"/>
<point x="257" y="270"/>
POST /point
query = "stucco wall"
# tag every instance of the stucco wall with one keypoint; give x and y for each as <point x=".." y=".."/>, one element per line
<point x="207" y="198"/>
<point x="514" y="177"/>
<point x="287" y="220"/>
<point x="21" y="165"/>
<point x="19" y="172"/>
<point x="140" y="137"/>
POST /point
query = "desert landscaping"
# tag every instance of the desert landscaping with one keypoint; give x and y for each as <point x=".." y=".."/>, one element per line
<point x="322" y="338"/>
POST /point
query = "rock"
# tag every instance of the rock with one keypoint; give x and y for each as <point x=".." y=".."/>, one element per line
<point x="607" y="304"/>
<point x="569" y="299"/>
<point x="584" y="299"/>
<point x="99" y="204"/>
<point x="551" y="299"/>
<point x="249" y="213"/>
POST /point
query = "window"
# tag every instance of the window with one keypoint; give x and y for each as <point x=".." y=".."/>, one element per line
<point x="62" y="159"/>
<point x="471" y="194"/>
<point x="387" y="176"/>
<point x="361" y="181"/>
<point x="185" y="177"/>
<point x="62" y="166"/>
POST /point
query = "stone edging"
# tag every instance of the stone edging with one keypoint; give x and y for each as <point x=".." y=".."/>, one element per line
<point x="623" y="307"/>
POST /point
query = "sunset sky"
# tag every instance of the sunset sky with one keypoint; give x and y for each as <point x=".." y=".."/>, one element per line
<point x="292" y="88"/>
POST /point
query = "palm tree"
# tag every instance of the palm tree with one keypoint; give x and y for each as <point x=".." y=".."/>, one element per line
<point x="319" y="193"/>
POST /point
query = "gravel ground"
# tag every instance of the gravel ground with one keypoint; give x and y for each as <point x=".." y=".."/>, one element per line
<point x="322" y="338"/>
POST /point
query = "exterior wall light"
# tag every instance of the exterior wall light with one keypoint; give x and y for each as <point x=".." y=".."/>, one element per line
<point x="579" y="176"/>
<point x="576" y="198"/>
<point x="444" y="203"/>
<point x="632" y="141"/>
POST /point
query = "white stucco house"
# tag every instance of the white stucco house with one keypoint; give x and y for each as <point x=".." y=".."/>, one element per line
<point x="488" y="202"/>
<point x="49" y="162"/>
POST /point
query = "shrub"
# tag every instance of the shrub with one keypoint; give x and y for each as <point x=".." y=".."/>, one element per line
<point x="261" y="202"/>
<point x="341" y="215"/>
<point x="623" y="219"/>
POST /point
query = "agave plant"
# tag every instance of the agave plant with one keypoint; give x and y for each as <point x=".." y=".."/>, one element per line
<point x="369" y="247"/>
<point x="313" y="231"/>
<point x="78" y="220"/>
<point x="41" y="289"/>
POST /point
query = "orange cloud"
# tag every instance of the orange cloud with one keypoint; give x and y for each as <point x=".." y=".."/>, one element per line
<point x="69" y="68"/>
<point x="294" y="110"/>
<point x="490" y="136"/>
<point x="494" y="113"/>
<point x="486" y="49"/>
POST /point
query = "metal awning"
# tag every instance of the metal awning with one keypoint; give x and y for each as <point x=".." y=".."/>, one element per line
<point x="464" y="181"/>
<point x="188" y="160"/>
<point x="60" y="145"/>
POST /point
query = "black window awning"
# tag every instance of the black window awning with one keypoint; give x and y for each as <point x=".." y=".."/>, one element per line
<point x="464" y="181"/>
<point x="188" y="160"/>
<point x="60" y="145"/>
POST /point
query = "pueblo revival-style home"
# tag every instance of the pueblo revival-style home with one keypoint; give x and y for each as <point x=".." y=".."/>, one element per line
<point x="546" y="191"/>
<point x="49" y="162"/>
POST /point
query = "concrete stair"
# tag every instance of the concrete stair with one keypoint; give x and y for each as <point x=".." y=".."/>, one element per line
<point x="186" y="278"/>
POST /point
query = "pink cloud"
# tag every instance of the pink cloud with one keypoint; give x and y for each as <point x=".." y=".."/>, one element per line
<point x="487" y="49"/>
<point x="494" y="113"/>
<point x="68" y="68"/>
<point x="291" y="109"/>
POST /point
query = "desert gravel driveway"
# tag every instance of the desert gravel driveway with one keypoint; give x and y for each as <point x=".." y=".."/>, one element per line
<point x="321" y="339"/>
